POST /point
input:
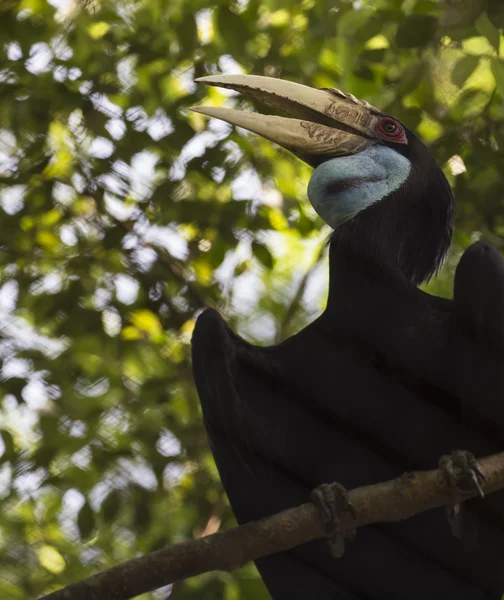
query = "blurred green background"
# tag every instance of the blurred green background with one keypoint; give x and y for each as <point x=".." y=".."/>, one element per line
<point x="122" y="215"/>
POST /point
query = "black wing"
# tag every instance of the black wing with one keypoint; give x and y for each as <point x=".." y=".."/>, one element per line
<point x="479" y="305"/>
<point x="479" y="294"/>
<point x="283" y="419"/>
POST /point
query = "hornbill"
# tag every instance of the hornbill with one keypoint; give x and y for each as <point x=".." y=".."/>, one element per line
<point x="386" y="380"/>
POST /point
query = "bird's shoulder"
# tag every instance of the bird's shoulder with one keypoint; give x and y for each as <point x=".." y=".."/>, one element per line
<point x="214" y="343"/>
<point x="479" y="294"/>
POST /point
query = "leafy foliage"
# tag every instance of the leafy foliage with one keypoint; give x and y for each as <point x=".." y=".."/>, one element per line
<point x="123" y="214"/>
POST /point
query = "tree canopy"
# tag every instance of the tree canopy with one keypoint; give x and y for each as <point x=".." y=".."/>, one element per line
<point x="123" y="214"/>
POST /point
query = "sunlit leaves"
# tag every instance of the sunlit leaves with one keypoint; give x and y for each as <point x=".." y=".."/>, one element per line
<point x="123" y="214"/>
<point x="50" y="559"/>
<point x="147" y="323"/>
<point x="111" y="506"/>
<point x="98" y="30"/>
<point x="463" y="69"/>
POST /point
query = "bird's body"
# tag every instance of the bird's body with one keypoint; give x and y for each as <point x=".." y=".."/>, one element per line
<point x="385" y="381"/>
<point x="347" y="401"/>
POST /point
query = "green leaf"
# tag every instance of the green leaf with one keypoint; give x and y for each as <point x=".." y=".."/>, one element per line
<point x="231" y="28"/>
<point x="111" y="506"/>
<point x="470" y="104"/>
<point x="49" y="427"/>
<point x="146" y="321"/>
<point x="262" y="253"/>
<point x="14" y="385"/>
<point x="53" y="502"/>
<point x="495" y="10"/>
<point x="44" y="455"/>
<point x="425" y="7"/>
<point x="412" y="78"/>
<point x="464" y="69"/>
<point x="416" y="31"/>
<point x="9" y="451"/>
<point x="86" y="521"/>
<point x="50" y="559"/>
<point x="187" y="31"/>
<point x="497" y="67"/>
<point x="98" y="30"/>
<point x="371" y="28"/>
<point x="142" y="509"/>
<point x="487" y="29"/>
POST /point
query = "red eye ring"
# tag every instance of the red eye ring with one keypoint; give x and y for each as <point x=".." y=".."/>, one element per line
<point x="391" y="130"/>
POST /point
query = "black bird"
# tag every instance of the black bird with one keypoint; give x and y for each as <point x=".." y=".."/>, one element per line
<point x="386" y="380"/>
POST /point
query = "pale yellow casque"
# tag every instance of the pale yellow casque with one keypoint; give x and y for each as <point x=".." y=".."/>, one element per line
<point x="326" y="122"/>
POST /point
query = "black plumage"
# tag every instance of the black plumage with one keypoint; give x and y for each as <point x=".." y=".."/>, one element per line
<point x="386" y="380"/>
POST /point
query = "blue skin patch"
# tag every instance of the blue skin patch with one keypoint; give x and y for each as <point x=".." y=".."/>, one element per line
<point x="358" y="181"/>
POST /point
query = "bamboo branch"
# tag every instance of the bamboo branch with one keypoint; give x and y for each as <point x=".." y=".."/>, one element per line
<point x="389" y="501"/>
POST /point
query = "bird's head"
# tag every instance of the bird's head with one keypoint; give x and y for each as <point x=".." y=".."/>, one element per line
<point x="374" y="182"/>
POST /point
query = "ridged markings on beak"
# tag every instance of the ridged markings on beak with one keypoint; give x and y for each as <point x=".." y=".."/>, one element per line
<point x="321" y="122"/>
<point x="302" y="138"/>
<point x="328" y="107"/>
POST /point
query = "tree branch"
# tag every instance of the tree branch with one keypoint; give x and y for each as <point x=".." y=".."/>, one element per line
<point x="393" y="500"/>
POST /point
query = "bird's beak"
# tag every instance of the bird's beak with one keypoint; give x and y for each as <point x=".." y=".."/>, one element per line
<point x="325" y="122"/>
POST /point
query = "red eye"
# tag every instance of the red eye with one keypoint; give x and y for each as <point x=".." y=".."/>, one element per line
<point x="391" y="130"/>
